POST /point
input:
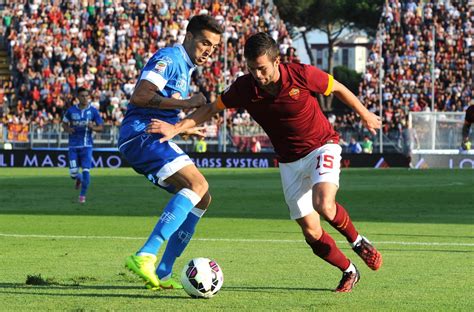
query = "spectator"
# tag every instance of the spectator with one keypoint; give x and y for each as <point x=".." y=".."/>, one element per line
<point x="367" y="145"/>
<point x="410" y="140"/>
<point x="255" y="146"/>
<point x="201" y="145"/>
<point x="354" y="146"/>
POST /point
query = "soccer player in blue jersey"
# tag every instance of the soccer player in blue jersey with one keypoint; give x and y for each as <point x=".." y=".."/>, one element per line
<point x="80" y="121"/>
<point x="161" y="91"/>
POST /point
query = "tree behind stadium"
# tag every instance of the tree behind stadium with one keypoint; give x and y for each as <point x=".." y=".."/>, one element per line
<point x="331" y="17"/>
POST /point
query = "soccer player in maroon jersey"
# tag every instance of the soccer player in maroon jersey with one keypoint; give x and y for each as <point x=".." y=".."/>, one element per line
<point x="281" y="98"/>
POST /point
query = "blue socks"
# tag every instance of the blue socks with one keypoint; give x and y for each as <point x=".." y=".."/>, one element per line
<point x="171" y="219"/>
<point x="76" y="176"/>
<point x="85" y="182"/>
<point x="178" y="242"/>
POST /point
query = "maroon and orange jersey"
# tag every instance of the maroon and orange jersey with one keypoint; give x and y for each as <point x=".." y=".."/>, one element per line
<point x="293" y="119"/>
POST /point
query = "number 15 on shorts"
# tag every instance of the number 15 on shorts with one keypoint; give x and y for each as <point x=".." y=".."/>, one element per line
<point x="326" y="160"/>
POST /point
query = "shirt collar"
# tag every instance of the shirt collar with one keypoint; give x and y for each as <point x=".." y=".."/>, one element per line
<point x="88" y="106"/>
<point x="185" y="55"/>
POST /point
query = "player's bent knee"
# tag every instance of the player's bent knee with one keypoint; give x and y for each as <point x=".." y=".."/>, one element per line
<point x="313" y="234"/>
<point x="327" y="209"/>
<point x="205" y="201"/>
<point x="200" y="187"/>
<point x="73" y="173"/>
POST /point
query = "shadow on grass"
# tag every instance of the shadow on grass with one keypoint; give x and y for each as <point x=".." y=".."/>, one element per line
<point x="423" y="235"/>
<point x="94" y="295"/>
<point x="410" y="250"/>
<point x="56" y="285"/>
<point x="22" y="289"/>
<point x="272" y="289"/>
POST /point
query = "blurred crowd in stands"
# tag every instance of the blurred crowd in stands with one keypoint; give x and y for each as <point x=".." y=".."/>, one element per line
<point x="406" y="35"/>
<point x="57" y="46"/>
<point x="102" y="46"/>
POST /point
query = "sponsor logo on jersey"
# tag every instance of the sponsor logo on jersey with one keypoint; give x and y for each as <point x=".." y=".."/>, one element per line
<point x="161" y="66"/>
<point x="138" y="126"/>
<point x="294" y="93"/>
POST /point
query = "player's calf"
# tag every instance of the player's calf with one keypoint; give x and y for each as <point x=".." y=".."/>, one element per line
<point x="75" y="175"/>
<point x="78" y="184"/>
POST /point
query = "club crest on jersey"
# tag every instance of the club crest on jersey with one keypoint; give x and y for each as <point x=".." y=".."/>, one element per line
<point x="294" y="93"/>
<point x="181" y="84"/>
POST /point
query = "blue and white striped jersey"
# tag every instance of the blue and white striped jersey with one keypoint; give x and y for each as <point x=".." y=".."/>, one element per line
<point x="170" y="69"/>
<point x="78" y="120"/>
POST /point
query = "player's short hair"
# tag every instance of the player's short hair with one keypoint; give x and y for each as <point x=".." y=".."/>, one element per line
<point x="260" y="44"/>
<point x="198" y="23"/>
<point x="82" y="89"/>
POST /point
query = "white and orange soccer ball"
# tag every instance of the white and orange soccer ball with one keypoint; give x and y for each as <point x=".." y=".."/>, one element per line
<point x="202" y="278"/>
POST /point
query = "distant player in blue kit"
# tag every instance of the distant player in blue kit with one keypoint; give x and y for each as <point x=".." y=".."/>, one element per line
<point x="80" y="121"/>
<point x="161" y="91"/>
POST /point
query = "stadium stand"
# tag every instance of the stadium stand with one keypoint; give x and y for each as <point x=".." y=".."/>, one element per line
<point x="55" y="48"/>
<point x="406" y="36"/>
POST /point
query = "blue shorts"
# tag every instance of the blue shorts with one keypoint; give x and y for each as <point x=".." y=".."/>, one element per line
<point x="80" y="157"/>
<point x="156" y="161"/>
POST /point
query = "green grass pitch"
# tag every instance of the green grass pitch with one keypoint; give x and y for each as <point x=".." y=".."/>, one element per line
<point x="422" y="222"/>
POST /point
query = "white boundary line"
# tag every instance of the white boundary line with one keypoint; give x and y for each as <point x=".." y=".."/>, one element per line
<point x="235" y="240"/>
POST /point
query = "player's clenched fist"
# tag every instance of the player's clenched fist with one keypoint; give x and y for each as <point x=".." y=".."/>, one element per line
<point x="197" y="100"/>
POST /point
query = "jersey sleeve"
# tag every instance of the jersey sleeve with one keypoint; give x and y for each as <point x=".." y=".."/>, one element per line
<point x="159" y="70"/>
<point x="231" y="97"/>
<point x="318" y="81"/>
<point x="97" y="119"/>
<point x="67" y="116"/>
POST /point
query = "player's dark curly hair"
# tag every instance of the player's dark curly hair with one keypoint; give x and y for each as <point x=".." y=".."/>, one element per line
<point x="198" y="23"/>
<point x="260" y="44"/>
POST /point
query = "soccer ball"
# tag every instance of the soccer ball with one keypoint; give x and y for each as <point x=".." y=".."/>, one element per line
<point x="202" y="278"/>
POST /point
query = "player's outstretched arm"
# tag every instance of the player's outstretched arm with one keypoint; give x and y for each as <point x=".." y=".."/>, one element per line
<point x="371" y="121"/>
<point x="145" y="95"/>
<point x="94" y="127"/>
<point x="169" y="131"/>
